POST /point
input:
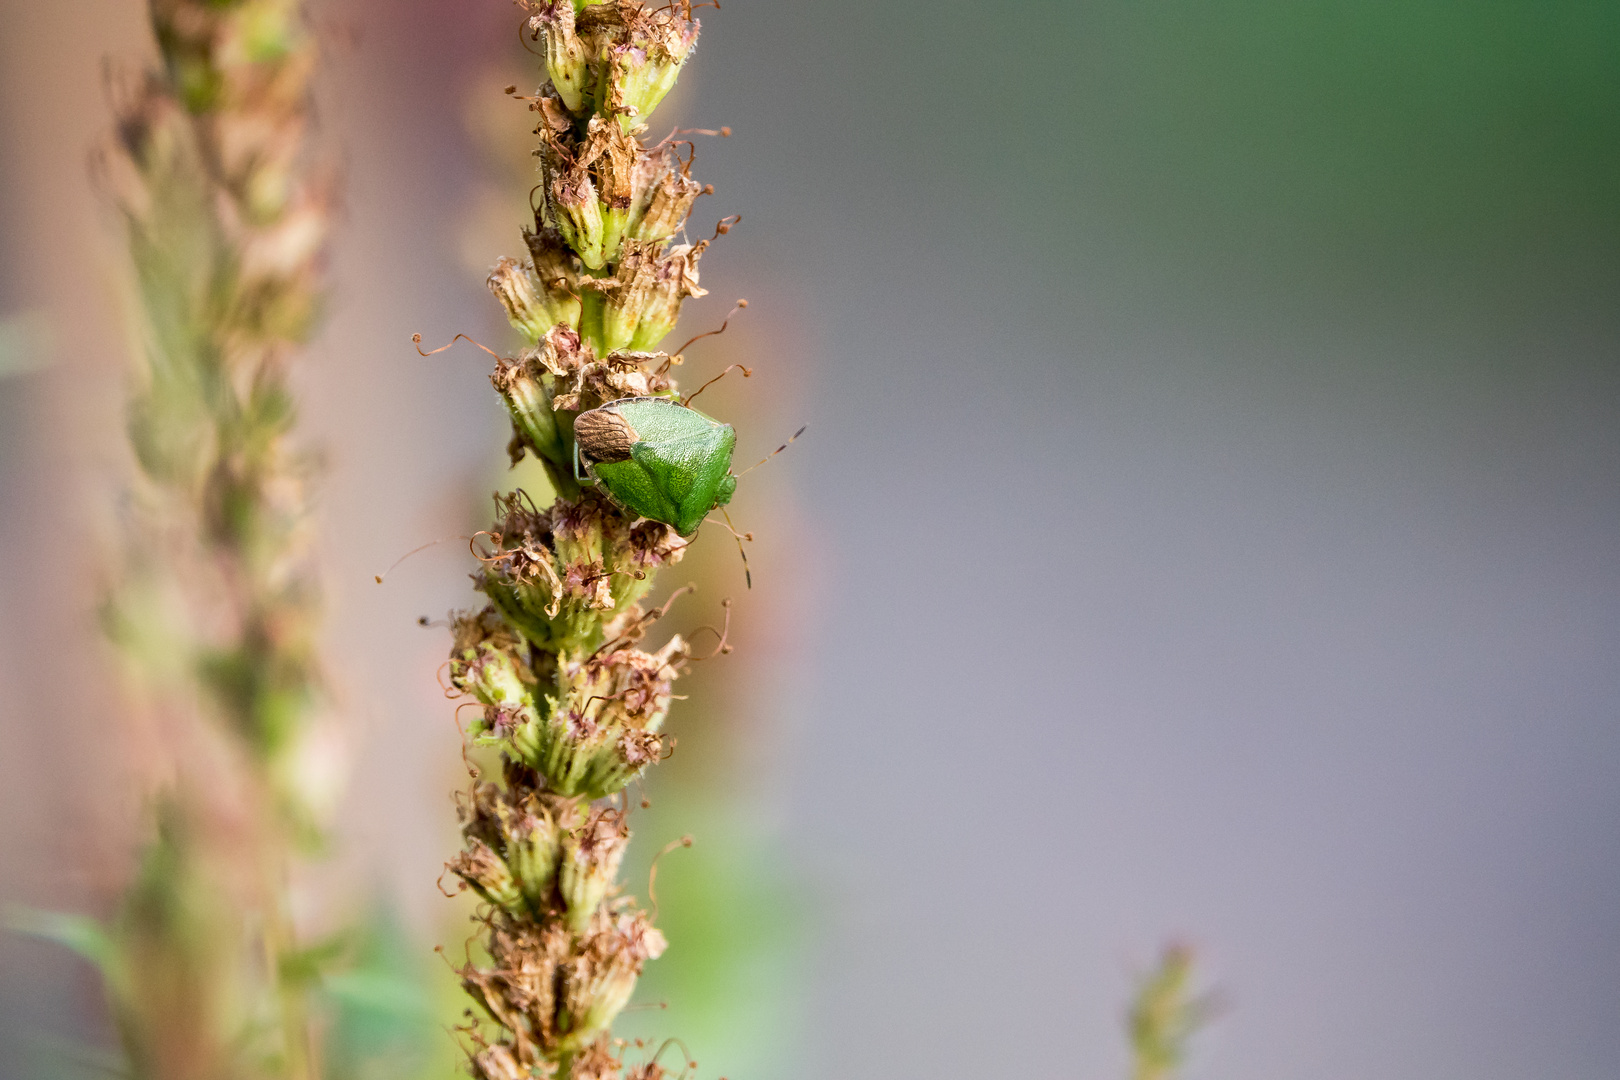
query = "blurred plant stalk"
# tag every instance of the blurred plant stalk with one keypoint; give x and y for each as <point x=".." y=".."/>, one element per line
<point x="216" y="606"/>
<point x="566" y="697"/>
<point x="1164" y="1016"/>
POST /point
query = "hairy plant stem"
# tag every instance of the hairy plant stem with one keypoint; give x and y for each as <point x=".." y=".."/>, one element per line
<point x="205" y="973"/>
<point x="571" y="702"/>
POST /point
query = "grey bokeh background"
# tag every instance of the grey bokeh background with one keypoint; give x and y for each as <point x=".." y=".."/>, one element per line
<point x="1209" y="525"/>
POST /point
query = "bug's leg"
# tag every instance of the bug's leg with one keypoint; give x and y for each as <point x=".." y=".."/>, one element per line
<point x="748" y="572"/>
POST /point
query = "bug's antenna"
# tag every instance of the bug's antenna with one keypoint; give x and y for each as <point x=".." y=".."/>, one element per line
<point x="416" y="339"/>
<point x="748" y="373"/>
<point x="748" y="573"/>
<point x="778" y="450"/>
<point x="738" y="306"/>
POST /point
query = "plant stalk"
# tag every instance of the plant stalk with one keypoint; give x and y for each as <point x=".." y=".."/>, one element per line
<point x="573" y="704"/>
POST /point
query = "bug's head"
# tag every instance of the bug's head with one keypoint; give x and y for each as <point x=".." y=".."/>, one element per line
<point x="604" y="435"/>
<point x="725" y="490"/>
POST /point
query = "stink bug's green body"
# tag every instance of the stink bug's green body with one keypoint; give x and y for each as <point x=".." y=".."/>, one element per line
<point x="658" y="459"/>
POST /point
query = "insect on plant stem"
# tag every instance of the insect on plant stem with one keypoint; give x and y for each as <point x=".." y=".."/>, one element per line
<point x="568" y="694"/>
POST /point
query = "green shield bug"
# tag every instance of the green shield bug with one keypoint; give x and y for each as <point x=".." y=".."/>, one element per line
<point x="657" y="458"/>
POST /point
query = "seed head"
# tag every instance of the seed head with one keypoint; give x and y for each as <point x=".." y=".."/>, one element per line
<point x="521" y="384"/>
<point x="642" y="55"/>
<point x="664" y="199"/>
<point x="589" y="864"/>
<point x="565" y="53"/>
<point x="497" y="1063"/>
<point x="486" y="873"/>
<point x="643" y="300"/>
<point x="531" y="306"/>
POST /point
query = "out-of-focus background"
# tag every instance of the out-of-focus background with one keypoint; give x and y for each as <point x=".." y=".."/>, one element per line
<point x="1209" y="524"/>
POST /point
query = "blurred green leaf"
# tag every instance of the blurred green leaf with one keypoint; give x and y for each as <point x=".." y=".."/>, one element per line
<point x="737" y="922"/>
<point x="388" y="1019"/>
<point x="81" y="933"/>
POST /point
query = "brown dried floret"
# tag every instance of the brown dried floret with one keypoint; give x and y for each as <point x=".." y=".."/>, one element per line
<point x="597" y="1062"/>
